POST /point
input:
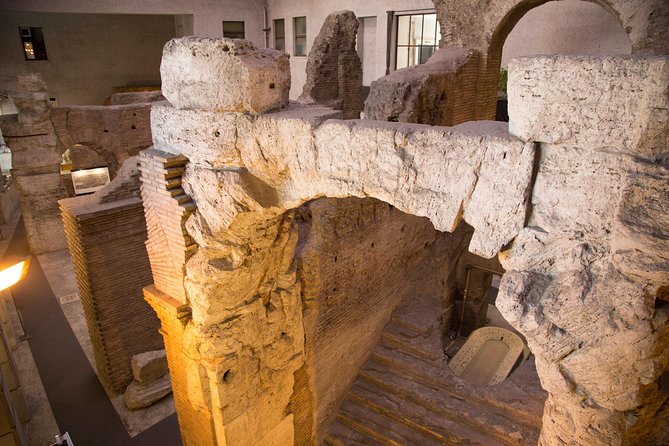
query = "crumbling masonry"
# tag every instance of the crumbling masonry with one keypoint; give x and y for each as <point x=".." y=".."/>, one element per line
<point x="572" y="197"/>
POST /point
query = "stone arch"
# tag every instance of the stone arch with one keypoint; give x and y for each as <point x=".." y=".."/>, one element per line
<point x="484" y="27"/>
<point x="573" y="283"/>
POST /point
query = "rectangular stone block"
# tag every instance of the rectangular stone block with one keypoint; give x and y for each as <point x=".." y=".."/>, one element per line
<point x="610" y="103"/>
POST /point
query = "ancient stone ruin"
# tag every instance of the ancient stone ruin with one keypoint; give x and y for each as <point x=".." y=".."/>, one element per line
<point x="286" y="292"/>
<point x="309" y="269"/>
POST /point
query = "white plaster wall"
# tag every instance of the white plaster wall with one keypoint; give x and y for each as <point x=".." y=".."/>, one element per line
<point x="316" y="12"/>
<point x="566" y="27"/>
<point x="88" y="54"/>
<point x="207" y="14"/>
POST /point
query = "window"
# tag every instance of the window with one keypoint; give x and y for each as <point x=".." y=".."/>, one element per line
<point x="233" y="30"/>
<point x="418" y="36"/>
<point x="33" y="43"/>
<point x="280" y="35"/>
<point x="300" y="36"/>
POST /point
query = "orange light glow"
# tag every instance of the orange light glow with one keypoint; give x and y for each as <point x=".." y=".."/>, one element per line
<point x="13" y="274"/>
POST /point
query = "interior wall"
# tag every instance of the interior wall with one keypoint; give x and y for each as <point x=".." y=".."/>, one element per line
<point x="316" y="12"/>
<point x="205" y="19"/>
<point x="357" y="260"/>
<point x="566" y="27"/>
<point x="88" y="54"/>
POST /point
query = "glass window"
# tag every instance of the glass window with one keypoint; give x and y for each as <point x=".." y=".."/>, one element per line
<point x="300" y="36"/>
<point x="33" y="43"/>
<point x="280" y="35"/>
<point x="233" y="30"/>
<point x="418" y="36"/>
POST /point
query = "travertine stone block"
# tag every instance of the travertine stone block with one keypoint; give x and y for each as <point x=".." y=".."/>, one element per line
<point x="149" y="366"/>
<point x="139" y="395"/>
<point x="610" y="103"/>
<point x="202" y="73"/>
<point x="208" y="139"/>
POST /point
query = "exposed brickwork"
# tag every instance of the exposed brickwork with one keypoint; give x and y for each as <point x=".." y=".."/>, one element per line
<point x="106" y="242"/>
<point x="195" y="419"/>
<point x="334" y="70"/>
<point x="167" y="207"/>
<point x="435" y="93"/>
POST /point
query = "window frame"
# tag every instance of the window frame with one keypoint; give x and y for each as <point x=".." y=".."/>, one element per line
<point x="236" y="22"/>
<point x="299" y="36"/>
<point x="32" y="42"/>
<point x="276" y="37"/>
<point x="418" y="47"/>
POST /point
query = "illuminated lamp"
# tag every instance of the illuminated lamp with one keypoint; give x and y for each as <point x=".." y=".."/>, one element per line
<point x="12" y="270"/>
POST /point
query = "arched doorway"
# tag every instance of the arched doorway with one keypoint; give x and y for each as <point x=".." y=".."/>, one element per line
<point x="570" y="27"/>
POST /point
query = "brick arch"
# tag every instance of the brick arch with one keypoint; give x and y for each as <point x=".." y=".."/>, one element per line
<point x="106" y="155"/>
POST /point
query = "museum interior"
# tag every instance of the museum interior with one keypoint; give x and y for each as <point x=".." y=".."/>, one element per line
<point x="276" y="223"/>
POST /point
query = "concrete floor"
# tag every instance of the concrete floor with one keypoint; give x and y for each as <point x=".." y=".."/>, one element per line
<point x="56" y="369"/>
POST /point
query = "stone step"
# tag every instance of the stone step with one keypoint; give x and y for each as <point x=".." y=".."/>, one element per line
<point x="432" y="374"/>
<point x="402" y="411"/>
<point x="398" y="338"/>
<point x="340" y="434"/>
<point x="380" y="427"/>
<point x="407" y="324"/>
<point x="456" y="416"/>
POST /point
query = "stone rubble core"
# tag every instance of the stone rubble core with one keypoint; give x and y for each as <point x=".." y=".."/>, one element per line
<point x="435" y="93"/>
<point x="560" y="212"/>
<point x="257" y="80"/>
<point x="334" y="69"/>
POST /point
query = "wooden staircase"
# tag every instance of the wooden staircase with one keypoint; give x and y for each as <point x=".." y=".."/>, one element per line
<point x="405" y="394"/>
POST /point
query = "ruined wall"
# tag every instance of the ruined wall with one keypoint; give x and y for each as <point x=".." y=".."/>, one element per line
<point x="114" y="132"/>
<point x="106" y="234"/>
<point x="40" y="134"/>
<point x="334" y="70"/>
<point x="357" y="260"/>
<point x="484" y="25"/>
<point x="582" y="272"/>
<point x="35" y="165"/>
<point x="434" y="93"/>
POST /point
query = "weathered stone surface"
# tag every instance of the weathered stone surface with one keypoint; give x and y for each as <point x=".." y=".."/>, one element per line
<point x="206" y="138"/>
<point x="224" y="75"/>
<point x="136" y="97"/>
<point x="434" y="93"/>
<point x="149" y="366"/>
<point x="480" y="25"/>
<point x="571" y="287"/>
<point x="337" y="275"/>
<point x="138" y="396"/>
<point x="334" y="70"/>
<point x="613" y="103"/>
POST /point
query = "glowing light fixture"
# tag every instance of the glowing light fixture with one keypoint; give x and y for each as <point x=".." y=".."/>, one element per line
<point x="12" y="270"/>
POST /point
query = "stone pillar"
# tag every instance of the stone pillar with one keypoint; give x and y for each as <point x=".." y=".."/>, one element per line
<point x="334" y="69"/>
<point x="584" y="277"/>
<point x="232" y="362"/>
<point x="35" y="165"/>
